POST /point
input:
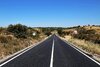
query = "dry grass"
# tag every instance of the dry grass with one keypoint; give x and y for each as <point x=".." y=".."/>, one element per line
<point x="97" y="29"/>
<point x="16" y="37"/>
<point x="10" y="44"/>
<point x="89" y="44"/>
<point x="85" y="45"/>
<point x="89" y="47"/>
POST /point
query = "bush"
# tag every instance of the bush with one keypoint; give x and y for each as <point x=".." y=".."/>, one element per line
<point x="20" y="31"/>
<point x="87" y="35"/>
<point x="60" y="32"/>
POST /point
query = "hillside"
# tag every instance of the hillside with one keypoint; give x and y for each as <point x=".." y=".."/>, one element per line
<point x="16" y="37"/>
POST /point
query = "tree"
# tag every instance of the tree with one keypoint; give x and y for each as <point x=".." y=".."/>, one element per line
<point x="20" y="31"/>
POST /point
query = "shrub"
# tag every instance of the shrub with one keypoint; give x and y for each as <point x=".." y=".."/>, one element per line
<point x="20" y="31"/>
<point x="60" y="32"/>
<point x="87" y="35"/>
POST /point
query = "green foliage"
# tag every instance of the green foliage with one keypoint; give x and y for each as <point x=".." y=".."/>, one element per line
<point x="20" y="31"/>
<point x="60" y="31"/>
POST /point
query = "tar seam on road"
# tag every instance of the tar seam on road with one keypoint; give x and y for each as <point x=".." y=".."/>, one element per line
<point x="52" y="53"/>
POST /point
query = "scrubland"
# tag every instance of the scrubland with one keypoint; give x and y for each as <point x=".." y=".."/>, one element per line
<point x="16" y="37"/>
<point x="87" y="38"/>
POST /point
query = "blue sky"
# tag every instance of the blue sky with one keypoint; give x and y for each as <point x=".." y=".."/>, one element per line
<point x="50" y="13"/>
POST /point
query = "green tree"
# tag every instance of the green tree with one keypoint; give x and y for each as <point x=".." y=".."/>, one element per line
<point x="20" y="31"/>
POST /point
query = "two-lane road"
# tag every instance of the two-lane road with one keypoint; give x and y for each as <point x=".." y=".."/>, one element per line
<point x="53" y="52"/>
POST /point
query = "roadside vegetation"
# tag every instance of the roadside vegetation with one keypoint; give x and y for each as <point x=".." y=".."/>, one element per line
<point x="16" y="37"/>
<point x="86" y="38"/>
<point x="90" y="47"/>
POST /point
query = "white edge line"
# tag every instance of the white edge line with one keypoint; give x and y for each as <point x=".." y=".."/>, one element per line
<point x="81" y="52"/>
<point x="51" y="61"/>
<point x="14" y="57"/>
<point x="21" y="53"/>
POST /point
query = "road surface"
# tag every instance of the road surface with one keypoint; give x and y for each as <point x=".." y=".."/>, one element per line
<point x="53" y="52"/>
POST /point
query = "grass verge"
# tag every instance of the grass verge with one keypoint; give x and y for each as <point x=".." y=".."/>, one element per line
<point x="91" y="48"/>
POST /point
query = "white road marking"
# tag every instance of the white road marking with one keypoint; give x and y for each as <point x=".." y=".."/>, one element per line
<point x="82" y="53"/>
<point x="14" y="57"/>
<point x="86" y="55"/>
<point x="22" y="53"/>
<point x="52" y="53"/>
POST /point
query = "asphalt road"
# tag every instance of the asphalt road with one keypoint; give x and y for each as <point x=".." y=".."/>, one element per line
<point x="61" y="53"/>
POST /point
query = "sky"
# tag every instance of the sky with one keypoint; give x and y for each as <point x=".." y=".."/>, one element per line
<point x="50" y="13"/>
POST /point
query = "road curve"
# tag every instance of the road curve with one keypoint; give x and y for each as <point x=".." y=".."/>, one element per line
<point x="53" y="52"/>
